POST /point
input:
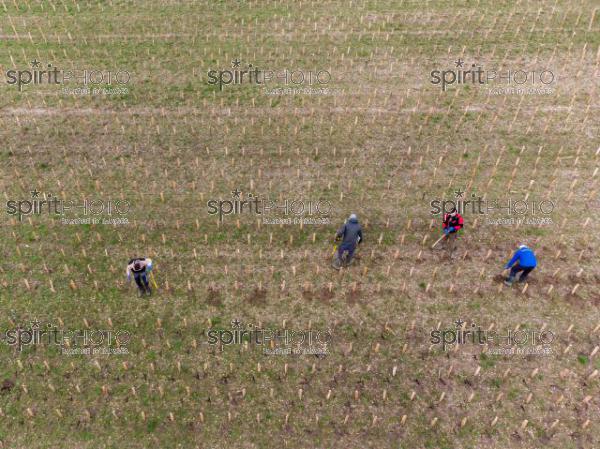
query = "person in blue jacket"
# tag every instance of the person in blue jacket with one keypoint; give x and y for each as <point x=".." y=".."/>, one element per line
<point x="524" y="261"/>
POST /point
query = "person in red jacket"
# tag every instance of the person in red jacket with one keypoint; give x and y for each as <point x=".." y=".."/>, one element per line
<point x="453" y="222"/>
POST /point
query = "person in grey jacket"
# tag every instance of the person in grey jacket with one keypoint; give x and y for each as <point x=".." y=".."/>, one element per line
<point x="351" y="235"/>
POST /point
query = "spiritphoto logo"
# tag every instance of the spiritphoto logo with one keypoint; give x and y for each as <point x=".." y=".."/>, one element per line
<point x="284" y="211"/>
<point x="501" y="81"/>
<point x="84" y="211"/>
<point x="280" y="91"/>
<point x="88" y="80"/>
<point x="516" y="211"/>
<point x="70" y="341"/>
<point x="239" y="75"/>
<point x="275" y="341"/>
<point x="503" y="342"/>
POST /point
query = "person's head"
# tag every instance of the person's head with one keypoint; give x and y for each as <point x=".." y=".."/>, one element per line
<point x="137" y="265"/>
<point x="523" y="246"/>
<point x="353" y="218"/>
<point x="453" y="212"/>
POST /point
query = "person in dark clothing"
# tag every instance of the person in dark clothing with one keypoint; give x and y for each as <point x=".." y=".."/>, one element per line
<point x="524" y="261"/>
<point x="452" y="223"/>
<point x="140" y="267"/>
<point x="351" y="235"/>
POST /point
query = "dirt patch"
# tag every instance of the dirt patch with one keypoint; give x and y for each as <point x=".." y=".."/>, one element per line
<point x="258" y="296"/>
<point x="499" y="278"/>
<point x="353" y="296"/>
<point x="7" y="385"/>
<point x="326" y="295"/>
<point x="573" y="279"/>
<point x="308" y="294"/>
<point x="547" y="280"/>
<point x="213" y="297"/>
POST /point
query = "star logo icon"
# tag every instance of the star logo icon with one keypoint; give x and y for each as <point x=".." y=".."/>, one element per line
<point x="459" y="62"/>
<point x="459" y="323"/>
<point x="236" y="62"/>
<point x="35" y="324"/>
<point x="35" y="193"/>
<point x="459" y="193"/>
<point x="236" y="193"/>
<point x="35" y="63"/>
<point x="236" y="324"/>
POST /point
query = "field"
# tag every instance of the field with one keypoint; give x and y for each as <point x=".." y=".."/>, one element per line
<point x="368" y="130"/>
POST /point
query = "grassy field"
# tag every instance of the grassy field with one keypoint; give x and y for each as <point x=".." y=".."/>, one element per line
<point x="381" y="140"/>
